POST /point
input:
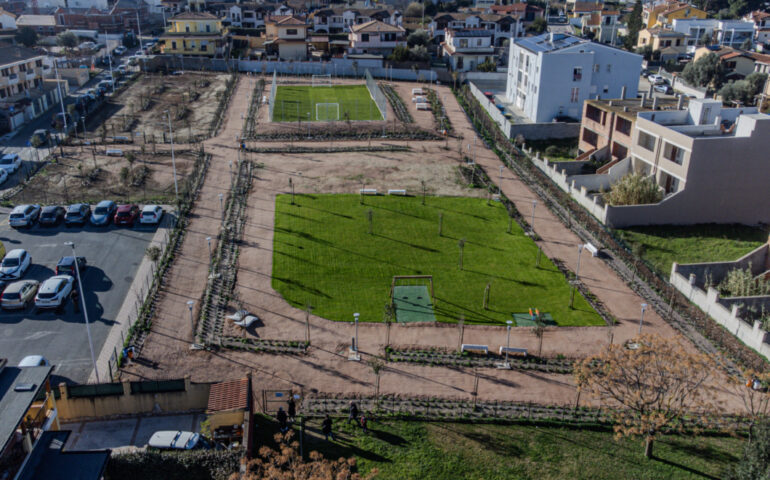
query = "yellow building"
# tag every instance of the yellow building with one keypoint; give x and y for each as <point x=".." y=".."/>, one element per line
<point x="666" y="13"/>
<point x="659" y="38"/>
<point x="193" y="33"/>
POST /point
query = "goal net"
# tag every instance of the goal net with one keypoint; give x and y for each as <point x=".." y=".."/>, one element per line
<point x="327" y="111"/>
<point x="322" y="80"/>
<point x="273" y="91"/>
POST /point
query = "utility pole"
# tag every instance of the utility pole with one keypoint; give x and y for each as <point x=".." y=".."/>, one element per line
<point x="61" y="97"/>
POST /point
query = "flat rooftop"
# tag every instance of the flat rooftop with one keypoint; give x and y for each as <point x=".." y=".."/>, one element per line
<point x="18" y="388"/>
<point x="629" y="107"/>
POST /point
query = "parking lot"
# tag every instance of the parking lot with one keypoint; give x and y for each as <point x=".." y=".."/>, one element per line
<point x="113" y="255"/>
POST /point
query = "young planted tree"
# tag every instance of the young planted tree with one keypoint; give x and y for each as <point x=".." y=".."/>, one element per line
<point x="756" y="402"/>
<point x="461" y="244"/>
<point x="655" y="384"/>
<point x="539" y="331"/>
<point x="377" y="366"/>
<point x="388" y="316"/>
<point x="755" y="463"/>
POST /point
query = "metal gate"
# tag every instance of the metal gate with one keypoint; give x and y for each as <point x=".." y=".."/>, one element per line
<point x="272" y="399"/>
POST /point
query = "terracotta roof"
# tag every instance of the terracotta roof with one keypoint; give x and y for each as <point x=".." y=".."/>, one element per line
<point x="587" y="7"/>
<point x="6" y="12"/>
<point x="376" y="26"/>
<point x="677" y="8"/>
<point x="194" y="16"/>
<point x="232" y="395"/>
<point x="287" y="20"/>
<point x="514" y="8"/>
<point x="760" y="57"/>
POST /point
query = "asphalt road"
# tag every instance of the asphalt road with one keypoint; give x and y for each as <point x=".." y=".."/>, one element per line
<point x="113" y="256"/>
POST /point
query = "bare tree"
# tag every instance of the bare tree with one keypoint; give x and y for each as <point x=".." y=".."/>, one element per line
<point x="388" y="316"/>
<point x="376" y="365"/>
<point x="756" y="401"/>
<point x="539" y="331"/>
<point x="461" y="244"/>
<point x="654" y="381"/>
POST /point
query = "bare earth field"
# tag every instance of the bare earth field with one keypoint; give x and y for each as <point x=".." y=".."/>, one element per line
<point x="325" y="368"/>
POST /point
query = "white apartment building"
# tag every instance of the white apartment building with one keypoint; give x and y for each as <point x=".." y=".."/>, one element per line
<point x="550" y="75"/>
<point x="467" y="49"/>
<point x="730" y="33"/>
<point x="376" y="37"/>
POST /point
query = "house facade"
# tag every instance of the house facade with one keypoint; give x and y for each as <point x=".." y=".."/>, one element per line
<point x="340" y="19"/>
<point x="376" y="37"/>
<point x="737" y="63"/>
<point x="659" y="38"/>
<point x="7" y="20"/>
<point x="465" y="50"/>
<point x="193" y="33"/>
<point x="761" y="21"/>
<point x="24" y="92"/>
<point x="551" y="75"/>
<point x="602" y="27"/>
<point x="501" y="27"/>
<point x="286" y="37"/>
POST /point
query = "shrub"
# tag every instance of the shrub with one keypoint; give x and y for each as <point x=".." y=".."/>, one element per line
<point x="742" y="283"/>
<point x="193" y="465"/>
<point x="634" y="189"/>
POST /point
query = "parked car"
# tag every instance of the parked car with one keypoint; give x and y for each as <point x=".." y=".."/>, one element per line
<point x="15" y="264"/>
<point x="19" y="294"/>
<point x="58" y="120"/>
<point x="120" y="50"/>
<point x="66" y="266"/>
<point x="151" y="214"/>
<point x="3" y="176"/>
<point x="103" y="212"/>
<point x="24" y="216"/>
<point x="126" y="215"/>
<point x="178" y="440"/>
<point x="52" y="215"/>
<point x="54" y="291"/>
<point x="656" y="79"/>
<point x="34" y="361"/>
<point x="663" y="88"/>
<point x="77" y="214"/>
<point x="41" y="135"/>
<point x="10" y="162"/>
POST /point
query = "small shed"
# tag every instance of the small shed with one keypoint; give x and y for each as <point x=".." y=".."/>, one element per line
<point x="229" y="410"/>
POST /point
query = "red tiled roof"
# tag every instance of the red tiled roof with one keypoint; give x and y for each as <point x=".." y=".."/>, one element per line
<point x="232" y="395"/>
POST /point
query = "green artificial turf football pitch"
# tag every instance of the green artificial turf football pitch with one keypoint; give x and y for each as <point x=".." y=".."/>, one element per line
<point x="317" y="104"/>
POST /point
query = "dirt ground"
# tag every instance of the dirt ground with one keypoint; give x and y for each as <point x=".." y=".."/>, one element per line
<point x="325" y="368"/>
<point x="91" y="176"/>
<point x="192" y="99"/>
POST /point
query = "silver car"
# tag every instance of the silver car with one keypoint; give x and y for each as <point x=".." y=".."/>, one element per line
<point x="24" y="216"/>
<point x="19" y="294"/>
<point x="54" y="291"/>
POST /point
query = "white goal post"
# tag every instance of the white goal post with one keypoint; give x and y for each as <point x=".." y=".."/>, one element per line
<point x="327" y="111"/>
<point x="322" y="80"/>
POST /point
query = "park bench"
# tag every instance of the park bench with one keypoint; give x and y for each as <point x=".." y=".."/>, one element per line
<point x="121" y="139"/>
<point x="417" y="91"/>
<point x="113" y="152"/>
<point x="423" y="106"/>
<point x="591" y="248"/>
<point x="368" y="191"/>
<point x="419" y="99"/>
<point x="395" y="191"/>
<point x="468" y="347"/>
<point x="513" y="351"/>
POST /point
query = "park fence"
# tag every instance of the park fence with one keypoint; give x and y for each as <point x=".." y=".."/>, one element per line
<point x="273" y="91"/>
<point x="377" y="95"/>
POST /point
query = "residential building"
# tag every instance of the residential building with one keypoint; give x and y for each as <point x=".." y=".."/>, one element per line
<point x="551" y="75"/>
<point x="286" y="37"/>
<point x="580" y="9"/>
<point x="607" y="126"/>
<point x="376" y="37"/>
<point x="503" y="27"/>
<point x="44" y="25"/>
<point x="120" y="18"/>
<point x="698" y="32"/>
<point x="465" y="50"/>
<point x="733" y="33"/>
<point x="659" y="38"/>
<point x="339" y="19"/>
<point x="523" y="13"/>
<point x="761" y="21"/>
<point x="193" y="33"/>
<point x="24" y="93"/>
<point x="602" y="27"/>
<point x="737" y="63"/>
<point x="49" y="460"/>
<point x="7" y="20"/>
<point x="670" y="10"/>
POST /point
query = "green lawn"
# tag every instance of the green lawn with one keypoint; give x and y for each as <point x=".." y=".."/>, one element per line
<point x="324" y="255"/>
<point x="355" y="103"/>
<point x="664" y="245"/>
<point x="402" y="450"/>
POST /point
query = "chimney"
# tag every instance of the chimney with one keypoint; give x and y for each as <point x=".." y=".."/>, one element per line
<point x="654" y="103"/>
<point x="623" y="93"/>
<point x="611" y="103"/>
<point x="625" y="109"/>
<point x="680" y="102"/>
<point x="644" y="97"/>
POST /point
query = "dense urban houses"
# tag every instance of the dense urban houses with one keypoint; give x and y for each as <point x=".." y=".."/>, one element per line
<point x="245" y="15"/>
<point x="523" y="13"/>
<point x="122" y="17"/>
<point x="602" y="27"/>
<point x="736" y="63"/>
<point x="465" y="50"/>
<point x="376" y="38"/>
<point x="43" y="25"/>
<point x="550" y="75"/>
<point x="671" y="44"/>
<point x="338" y="20"/>
<point x="581" y="9"/>
<point x="7" y="20"/>
<point x="761" y="21"/>
<point x="502" y="27"/>
<point x="666" y="12"/>
<point x="24" y="92"/>
<point x="286" y="37"/>
<point x="193" y="33"/>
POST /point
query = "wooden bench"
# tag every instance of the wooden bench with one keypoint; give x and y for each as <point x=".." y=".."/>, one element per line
<point x="591" y="248"/>
<point x="513" y="351"/>
<point x="468" y="347"/>
<point x="368" y="191"/>
<point x="423" y="106"/>
<point x="395" y="191"/>
<point x="113" y="152"/>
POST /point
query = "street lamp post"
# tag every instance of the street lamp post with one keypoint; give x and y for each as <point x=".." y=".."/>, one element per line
<point x="641" y="318"/>
<point x="222" y="203"/>
<point x="208" y="239"/>
<point x="508" y="341"/>
<point x="355" y="319"/>
<point x="190" y="304"/>
<point x="577" y="270"/>
<point x="85" y="310"/>
<point x="502" y="167"/>
<point x="173" y="158"/>
<point x="532" y="223"/>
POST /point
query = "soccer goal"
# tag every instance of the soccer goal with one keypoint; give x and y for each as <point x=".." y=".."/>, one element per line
<point x="322" y="80"/>
<point x="326" y="112"/>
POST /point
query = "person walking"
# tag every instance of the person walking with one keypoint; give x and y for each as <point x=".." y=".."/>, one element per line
<point x="326" y="428"/>
<point x="353" y="415"/>
<point x="292" y="409"/>
<point x="76" y="300"/>
<point x="281" y="416"/>
<point x="364" y="421"/>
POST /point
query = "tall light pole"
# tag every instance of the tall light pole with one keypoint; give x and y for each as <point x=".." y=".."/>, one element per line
<point x="61" y="97"/>
<point x="532" y="223"/>
<point x="502" y="167"/>
<point x="222" y="203"/>
<point x="577" y="270"/>
<point x="112" y="78"/>
<point x="208" y="239"/>
<point x="190" y="305"/>
<point x="85" y="310"/>
<point x="173" y="159"/>
<point x="508" y="342"/>
<point x="355" y="319"/>
<point x="641" y="318"/>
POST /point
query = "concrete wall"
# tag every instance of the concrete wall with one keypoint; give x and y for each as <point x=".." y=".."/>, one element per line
<point x="195" y="397"/>
<point x="220" y="419"/>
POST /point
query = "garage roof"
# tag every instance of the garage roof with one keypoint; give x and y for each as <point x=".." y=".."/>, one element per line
<point x="48" y="460"/>
<point x="231" y="395"/>
<point x="18" y="389"/>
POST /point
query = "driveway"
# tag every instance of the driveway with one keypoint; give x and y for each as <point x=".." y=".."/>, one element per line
<point x="127" y="432"/>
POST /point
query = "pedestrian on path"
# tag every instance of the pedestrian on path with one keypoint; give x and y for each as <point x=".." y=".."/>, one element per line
<point x="353" y="415"/>
<point x="281" y="416"/>
<point x="292" y="408"/>
<point x="364" y="421"/>
<point x="326" y="428"/>
<point x="75" y="300"/>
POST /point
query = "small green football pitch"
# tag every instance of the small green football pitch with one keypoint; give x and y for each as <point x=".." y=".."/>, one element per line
<point x="318" y="104"/>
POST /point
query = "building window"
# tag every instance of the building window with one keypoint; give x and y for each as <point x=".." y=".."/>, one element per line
<point x="208" y="27"/>
<point x="646" y="141"/>
<point x="173" y="45"/>
<point x="364" y="37"/>
<point x="577" y="74"/>
<point x="673" y="153"/>
<point x="623" y="126"/>
<point x="574" y="95"/>
<point x="593" y="113"/>
<point x="609" y="68"/>
<point x="596" y="67"/>
<point x="293" y="31"/>
<point x="590" y="137"/>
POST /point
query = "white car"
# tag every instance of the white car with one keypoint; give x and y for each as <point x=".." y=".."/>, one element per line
<point x="54" y="291"/>
<point x="120" y="50"/>
<point x="34" y="361"/>
<point x="24" y="216"/>
<point x="151" y="214"/>
<point x="178" y="440"/>
<point x="3" y="175"/>
<point x="10" y="162"/>
<point x="15" y="264"/>
<point x="656" y="79"/>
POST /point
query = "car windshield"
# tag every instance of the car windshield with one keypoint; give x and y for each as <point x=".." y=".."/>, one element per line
<point x="11" y="295"/>
<point x="45" y="295"/>
<point x="193" y="441"/>
<point x="48" y="214"/>
<point x="10" y="262"/>
<point x="6" y="161"/>
<point x="101" y="211"/>
<point x="17" y="215"/>
<point x="73" y="214"/>
<point x="124" y="214"/>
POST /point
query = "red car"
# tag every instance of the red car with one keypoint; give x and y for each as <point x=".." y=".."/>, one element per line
<point x="126" y="215"/>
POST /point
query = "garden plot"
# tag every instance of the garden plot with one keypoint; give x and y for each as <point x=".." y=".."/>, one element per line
<point x="138" y="113"/>
<point x="135" y="177"/>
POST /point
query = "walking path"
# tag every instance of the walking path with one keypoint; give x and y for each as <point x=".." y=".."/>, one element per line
<point x="325" y="367"/>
